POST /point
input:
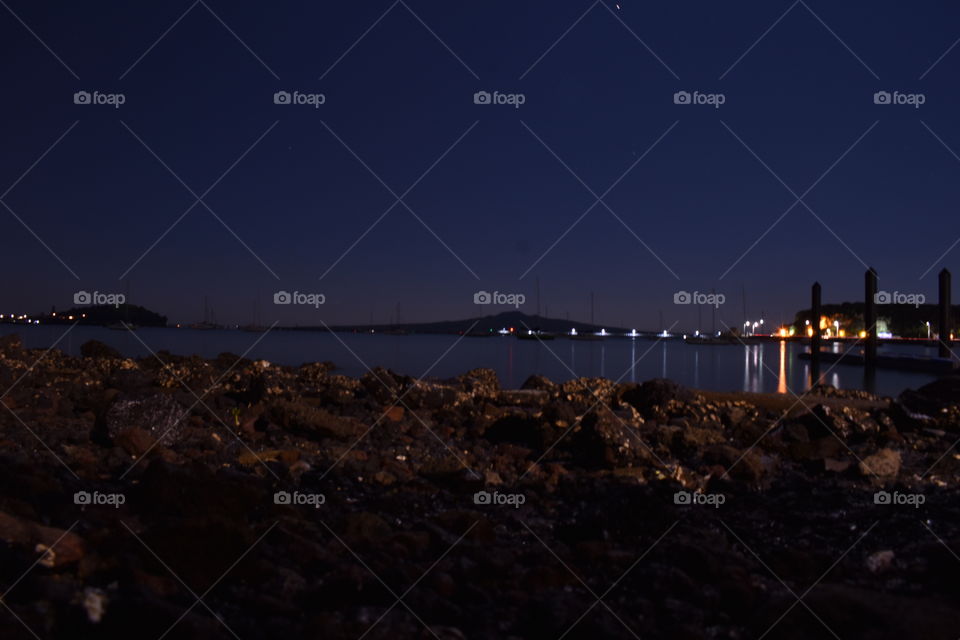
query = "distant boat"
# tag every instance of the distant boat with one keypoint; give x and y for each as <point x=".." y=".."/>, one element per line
<point x="712" y="340"/>
<point x="208" y="323"/>
<point x="587" y="337"/>
<point x="204" y="326"/>
<point x="903" y="362"/>
<point x="535" y="334"/>
<point x="253" y="328"/>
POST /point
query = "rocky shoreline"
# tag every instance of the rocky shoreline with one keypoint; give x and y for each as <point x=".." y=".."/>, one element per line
<point x="230" y="498"/>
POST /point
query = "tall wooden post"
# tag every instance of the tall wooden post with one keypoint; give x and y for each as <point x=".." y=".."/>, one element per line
<point x="945" y="314"/>
<point x="870" y="316"/>
<point x="815" y="312"/>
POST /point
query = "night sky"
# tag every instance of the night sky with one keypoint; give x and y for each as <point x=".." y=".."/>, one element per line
<point x="486" y="189"/>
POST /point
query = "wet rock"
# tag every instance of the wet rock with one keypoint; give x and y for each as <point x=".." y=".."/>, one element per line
<point x="823" y="421"/>
<point x="880" y="561"/>
<point x="99" y="350"/>
<point x="11" y="346"/>
<point x="885" y="464"/>
<point x="159" y="414"/>
<point x="516" y="428"/>
<point x="480" y="382"/>
<point x="540" y="383"/>
<point x="931" y="398"/>
<point x="135" y="441"/>
<point x="652" y="395"/>
<point x="58" y="547"/>
<point x="524" y="397"/>
<point x="299" y="416"/>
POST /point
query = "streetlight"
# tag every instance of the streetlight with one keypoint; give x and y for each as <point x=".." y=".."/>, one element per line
<point x="928" y="329"/>
<point x="836" y="326"/>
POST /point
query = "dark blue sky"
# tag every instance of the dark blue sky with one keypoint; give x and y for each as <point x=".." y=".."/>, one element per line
<point x="799" y="100"/>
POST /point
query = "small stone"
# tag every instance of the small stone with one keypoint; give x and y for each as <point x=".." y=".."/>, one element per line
<point x="135" y="441"/>
<point x="95" y="603"/>
<point x="880" y="561"/>
<point x="99" y="350"/>
<point x="884" y="464"/>
<point x="838" y="466"/>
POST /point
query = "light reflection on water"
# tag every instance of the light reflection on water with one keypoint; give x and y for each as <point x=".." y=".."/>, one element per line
<point x="768" y="367"/>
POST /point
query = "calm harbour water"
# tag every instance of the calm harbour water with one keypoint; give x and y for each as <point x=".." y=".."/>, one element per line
<point x="771" y="367"/>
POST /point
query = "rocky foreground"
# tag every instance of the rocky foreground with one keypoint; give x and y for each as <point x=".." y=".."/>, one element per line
<point x="188" y="498"/>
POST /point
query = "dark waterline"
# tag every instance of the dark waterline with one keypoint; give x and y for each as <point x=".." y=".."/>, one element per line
<point x="771" y="367"/>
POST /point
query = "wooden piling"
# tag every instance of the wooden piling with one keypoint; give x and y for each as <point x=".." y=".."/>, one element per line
<point x="815" y="312"/>
<point x="944" y="325"/>
<point x="870" y="317"/>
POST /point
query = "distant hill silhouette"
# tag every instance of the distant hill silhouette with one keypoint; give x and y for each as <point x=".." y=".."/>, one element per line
<point x="106" y="315"/>
<point x="480" y="326"/>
